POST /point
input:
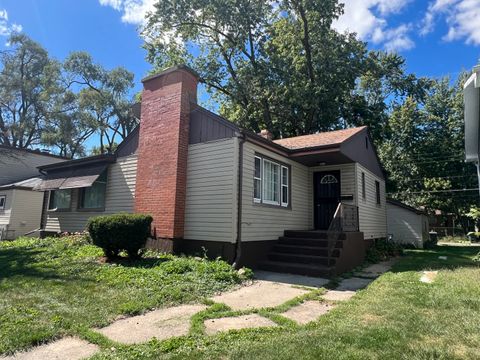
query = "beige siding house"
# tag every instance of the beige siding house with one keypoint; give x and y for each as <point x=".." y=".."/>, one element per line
<point x="308" y="204"/>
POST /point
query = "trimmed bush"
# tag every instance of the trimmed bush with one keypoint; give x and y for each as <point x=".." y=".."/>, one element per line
<point x="115" y="233"/>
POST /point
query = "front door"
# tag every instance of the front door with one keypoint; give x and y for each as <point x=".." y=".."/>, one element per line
<point x="326" y="189"/>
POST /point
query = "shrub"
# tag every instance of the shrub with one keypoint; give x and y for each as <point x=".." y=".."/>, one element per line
<point x="382" y="250"/>
<point x="114" y="233"/>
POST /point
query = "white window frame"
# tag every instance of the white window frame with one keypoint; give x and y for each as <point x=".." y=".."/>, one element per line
<point x="260" y="179"/>
<point x="271" y="202"/>
<point x="284" y="185"/>
<point x="280" y="184"/>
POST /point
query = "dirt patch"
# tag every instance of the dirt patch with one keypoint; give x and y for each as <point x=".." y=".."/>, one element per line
<point x="214" y="326"/>
<point x="335" y="295"/>
<point x="375" y="270"/>
<point x="161" y="324"/>
<point x="64" y="349"/>
<point x="371" y="319"/>
<point x="307" y="311"/>
<point x="261" y="294"/>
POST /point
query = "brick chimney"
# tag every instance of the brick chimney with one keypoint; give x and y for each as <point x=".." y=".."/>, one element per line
<point x="162" y="150"/>
<point x="266" y="134"/>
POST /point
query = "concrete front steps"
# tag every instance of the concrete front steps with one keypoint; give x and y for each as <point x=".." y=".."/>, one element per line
<point x="306" y="253"/>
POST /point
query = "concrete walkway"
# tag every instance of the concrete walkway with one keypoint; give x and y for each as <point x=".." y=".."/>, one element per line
<point x="268" y="291"/>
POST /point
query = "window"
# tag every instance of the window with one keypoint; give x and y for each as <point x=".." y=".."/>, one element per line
<point x="60" y="199"/>
<point x="257" y="180"/>
<point x="3" y="200"/>
<point x="364" y="191"/>
<point x="271" y="177"/>
<point x="93" y="197"/>
<point x="328" y="179"/>
<point x="271" y="182"/>
<point x="377" y="191"/>
<point x="284" y="186"/>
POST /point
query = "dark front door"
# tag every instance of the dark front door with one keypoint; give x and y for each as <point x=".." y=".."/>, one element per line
<point x="326" y="189"/>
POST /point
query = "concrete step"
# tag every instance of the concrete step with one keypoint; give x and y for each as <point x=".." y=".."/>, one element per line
<point x="302" y="259"/>
<point x="319" y="243"/>
<point x="305" y="250"/>
<point x="298" y="268"/>
<point x="312" y="234"/>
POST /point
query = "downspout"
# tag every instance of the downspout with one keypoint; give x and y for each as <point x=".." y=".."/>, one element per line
<point x="238" y="243"/>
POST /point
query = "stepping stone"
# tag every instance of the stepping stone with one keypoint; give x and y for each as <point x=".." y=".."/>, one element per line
<point x="307" y="311"/>
<point x="335" y="295"/>
<point x="353" y="284"/>
<point x="161" y="324"/>
<point x="260" y="294"/>
<point x="213" y="326"/>
<point x="291" y="279"/>
<point x="68" y="348"/>
<point x="428" y="277"/>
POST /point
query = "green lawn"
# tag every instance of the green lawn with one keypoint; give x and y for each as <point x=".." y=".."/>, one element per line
<point x="55" y="287"/>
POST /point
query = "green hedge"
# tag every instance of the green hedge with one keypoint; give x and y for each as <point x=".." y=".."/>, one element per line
<point x="115" y="233"/>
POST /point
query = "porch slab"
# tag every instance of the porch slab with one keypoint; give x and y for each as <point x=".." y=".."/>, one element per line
<point x="261" y="294"/>
<point x="69" y="348"/>
<point x="307" y="312"/>
<point x="291" y="279"/>
<point x="161" y="324"/>
<point x="213" y="326"/>
<point x="335" y="295"/>
<point x="353" y="284"/>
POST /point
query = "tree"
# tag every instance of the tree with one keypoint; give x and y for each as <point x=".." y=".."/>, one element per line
<point x="102" y="100"/>
<point x="29" y="88"/>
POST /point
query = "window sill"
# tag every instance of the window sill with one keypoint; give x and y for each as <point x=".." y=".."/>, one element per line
<point x="271" y="206"/>
<point x="59" y="210"/>
<point x="91" y="210"/>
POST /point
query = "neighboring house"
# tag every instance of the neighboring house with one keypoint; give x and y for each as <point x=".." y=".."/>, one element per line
<point x="471" y="94"/>
<point x="211" y="185"/>
<point x="20" y="207"/>
<point x="407" y="225"/>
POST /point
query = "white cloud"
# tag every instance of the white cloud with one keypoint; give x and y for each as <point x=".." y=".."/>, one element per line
<point x="133" y="11"/>
<point x="5" y="27"/>
<point x="369" y="19"/>
<point x="461" y="16"/>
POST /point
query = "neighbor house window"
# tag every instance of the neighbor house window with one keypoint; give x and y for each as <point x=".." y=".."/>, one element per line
<point x="93" y="197"/>
<point x="3" y="200"/>
<point x="364" y="191"/>
<point x="377" y="191"/>
<point x="60" y="199"/>
<point x="271" y="182"/>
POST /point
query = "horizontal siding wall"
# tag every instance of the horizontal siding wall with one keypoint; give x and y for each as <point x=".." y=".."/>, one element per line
<point x="120" y="197"/>
<point x="210" y="209"/>
<point x="404" y="225"/>
<point x="26" y="212"/>
<point x="373" y="217"/>
<point x="5" y="213"/>
<point x="261" y="222"/>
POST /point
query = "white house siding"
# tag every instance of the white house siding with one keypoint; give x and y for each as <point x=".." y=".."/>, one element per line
<point x="405" y="226"/>
<point x="120" y="197"/>
<point x="16" y="165"/>
<point x="373" y="217"/>
<point x="26" y="212"/>
<point x="260" y="222"/>
<point x="5" y="213"/>
<point x="211" y="200"/>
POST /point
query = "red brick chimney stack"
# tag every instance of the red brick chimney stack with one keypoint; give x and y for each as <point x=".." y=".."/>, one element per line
<point x="162" y="150"/>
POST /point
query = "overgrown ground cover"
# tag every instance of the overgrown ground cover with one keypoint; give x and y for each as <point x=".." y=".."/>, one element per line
<point x="397" y="317"/>
<point x="58" y="286"/>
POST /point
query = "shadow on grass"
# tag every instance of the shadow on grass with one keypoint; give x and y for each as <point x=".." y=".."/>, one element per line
<point x="24" y="262"/>
<point x="430" y="259"/>
<point x="144" y="263"/>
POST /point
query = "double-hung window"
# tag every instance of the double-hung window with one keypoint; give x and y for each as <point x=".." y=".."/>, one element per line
<point x="271" y="182"/>
<point x="60" y="199"/>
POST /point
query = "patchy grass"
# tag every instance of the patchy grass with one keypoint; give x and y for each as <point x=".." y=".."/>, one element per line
<point x="57" y="286"/>
<point x="396" y="317"/>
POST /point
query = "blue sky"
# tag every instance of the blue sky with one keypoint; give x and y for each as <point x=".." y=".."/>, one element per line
<point x="437" y="37"/>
